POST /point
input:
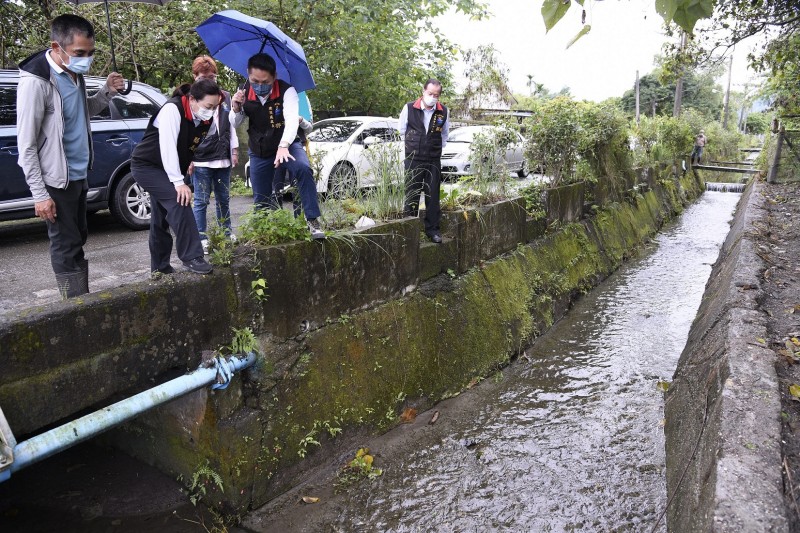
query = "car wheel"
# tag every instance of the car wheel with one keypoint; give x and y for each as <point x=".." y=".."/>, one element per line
<point x="130" y="203"/>
<point x="524" y="172"/>
<point x="342" y="181"/>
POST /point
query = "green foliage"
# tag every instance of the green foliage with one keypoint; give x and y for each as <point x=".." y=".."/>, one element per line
<point x="663" y="138"/>
<point x="487" y="82"/>
<point x="385" y="198"/>
<point x="657" y="94"/>
<point x="757" y="123"/>
<point x="563" y="136"/>
<point x="203" y="478"/>
<point x="238" y="187"/>
<point x="685" y="13"/>
<point x="553" y="137"/>
<point x="396" y="39"/>
<point x="267" y="227"/>
<point x="534" y="196"/>
<point x="244" y="341"/>
<point x="258" y="288"/>
<point x="489" y="179"/>
<point x="220" y="245"/>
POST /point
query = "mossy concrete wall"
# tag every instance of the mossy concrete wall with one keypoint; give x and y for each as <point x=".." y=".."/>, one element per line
<point x="351" y="332"/>
<point x="722" y="408"/>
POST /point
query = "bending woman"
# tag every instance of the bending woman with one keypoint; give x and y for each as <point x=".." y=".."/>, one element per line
<point x="159" y="163"/>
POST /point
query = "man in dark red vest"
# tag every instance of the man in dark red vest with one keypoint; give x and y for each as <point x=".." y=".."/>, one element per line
<point x="425" y="124"/>
<point x="271" y="108"/>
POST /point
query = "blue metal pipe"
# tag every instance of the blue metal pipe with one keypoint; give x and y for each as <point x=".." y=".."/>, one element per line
<point x="59" y="439"/>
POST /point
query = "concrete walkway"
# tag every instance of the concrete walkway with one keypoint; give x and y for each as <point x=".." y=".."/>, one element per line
<point x="731" y="422"/>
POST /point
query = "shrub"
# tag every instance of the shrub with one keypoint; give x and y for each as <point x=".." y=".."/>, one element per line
<point x="267" y="227"/>
<point x="553" y="133"/>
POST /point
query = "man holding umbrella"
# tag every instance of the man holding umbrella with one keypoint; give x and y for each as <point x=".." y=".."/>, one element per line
<point x="55" y="142"/>
<point x="272" y="109"/>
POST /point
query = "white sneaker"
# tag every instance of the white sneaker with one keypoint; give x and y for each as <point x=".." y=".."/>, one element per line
<point x="204" y="242"/>
<point x="233" y="238"/>
<point x="315" y="229"/>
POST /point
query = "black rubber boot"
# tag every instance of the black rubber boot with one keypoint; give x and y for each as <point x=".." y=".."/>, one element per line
<point x="71" y="284"/>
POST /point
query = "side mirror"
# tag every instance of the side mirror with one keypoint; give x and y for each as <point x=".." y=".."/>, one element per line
<point x="369" y="141"/>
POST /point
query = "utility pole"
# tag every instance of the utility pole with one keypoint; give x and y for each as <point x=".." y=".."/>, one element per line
<point x="637" y="97"/>
<point x="727" y="97"/>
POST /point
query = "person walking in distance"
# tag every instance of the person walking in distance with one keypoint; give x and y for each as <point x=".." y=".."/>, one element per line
<point x="54" y="137"/>
<point x="159" y="163"/>
<point x="425" y="125"/>
<point x="699" y="145"/>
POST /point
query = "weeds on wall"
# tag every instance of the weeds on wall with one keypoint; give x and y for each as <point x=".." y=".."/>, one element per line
<point x="385" y="196"/>
<point x="265" y="227"/>
<point x="220" y="245"/>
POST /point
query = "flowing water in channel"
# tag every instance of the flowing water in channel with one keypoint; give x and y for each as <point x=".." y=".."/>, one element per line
<point x="571" y="440"/>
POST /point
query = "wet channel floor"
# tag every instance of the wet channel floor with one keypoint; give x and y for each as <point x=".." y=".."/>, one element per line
<point x="568" y="438"/>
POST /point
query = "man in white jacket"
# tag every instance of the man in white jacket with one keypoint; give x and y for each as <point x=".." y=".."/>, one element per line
<point x="55" y="142"/>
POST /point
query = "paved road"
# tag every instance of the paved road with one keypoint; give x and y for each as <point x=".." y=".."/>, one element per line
<point x="117" y="256"/>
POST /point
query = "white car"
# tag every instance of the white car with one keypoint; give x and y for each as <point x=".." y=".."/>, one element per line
<point x="344" y="151"/>
<point x="456" y="154"/>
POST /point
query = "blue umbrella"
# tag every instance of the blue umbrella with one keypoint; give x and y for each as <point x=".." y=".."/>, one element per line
<point x="232" y="37"/>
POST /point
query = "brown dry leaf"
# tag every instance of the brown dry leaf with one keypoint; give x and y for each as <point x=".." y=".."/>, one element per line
<point x="409" y="414"/>
<point x="434" y="418"/>
<point x="310" y="499"/>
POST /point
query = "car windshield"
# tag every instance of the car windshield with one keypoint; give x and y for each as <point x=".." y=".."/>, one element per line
<point x="334" y="131"/>
<point x="464" y="135"/>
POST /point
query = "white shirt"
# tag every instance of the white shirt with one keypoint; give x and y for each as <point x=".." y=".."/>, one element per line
<point x="291" y="115"/>
<point x="168" y="122"/>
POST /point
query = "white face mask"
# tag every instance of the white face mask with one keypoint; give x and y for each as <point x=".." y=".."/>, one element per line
<point x="203" y="113"/>
<point x="78" y="65"/>
<point x="429" y="101"/>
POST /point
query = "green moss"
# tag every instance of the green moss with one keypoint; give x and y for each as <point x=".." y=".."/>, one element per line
<point x="25" y="344"/>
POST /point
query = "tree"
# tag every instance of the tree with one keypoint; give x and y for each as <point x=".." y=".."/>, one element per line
<point x="700" y="92"/>
<point x="487" y="81"/>
<point x="368" y="56"/>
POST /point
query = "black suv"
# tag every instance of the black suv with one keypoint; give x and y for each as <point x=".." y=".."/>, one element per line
<point x="116" y="131"/>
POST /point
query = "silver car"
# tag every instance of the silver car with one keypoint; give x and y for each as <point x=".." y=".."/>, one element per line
<point x="456" y="156"/>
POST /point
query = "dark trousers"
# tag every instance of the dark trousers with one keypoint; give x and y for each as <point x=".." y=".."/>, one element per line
<point x="423" y="177"/>
<point x="166" y="213"/>
<point x="265" y="180"/>
<point x="697" y="154"/>
<point x="69" y="232"/>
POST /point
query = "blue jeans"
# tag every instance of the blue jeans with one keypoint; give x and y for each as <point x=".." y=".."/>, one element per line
<point x="265" y="180"/>
<point x="207" y="180"/>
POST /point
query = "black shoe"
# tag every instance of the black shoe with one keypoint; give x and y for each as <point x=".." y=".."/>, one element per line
<point x="435" y="238"/>
<point x="166" y="270"/>
<point x="198" y="266"/>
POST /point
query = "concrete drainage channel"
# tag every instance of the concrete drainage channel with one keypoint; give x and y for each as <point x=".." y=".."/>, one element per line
<point x="723" y="406"/>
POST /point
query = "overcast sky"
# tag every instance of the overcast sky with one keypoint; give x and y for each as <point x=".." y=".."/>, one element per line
<point x="625" y="36"/>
